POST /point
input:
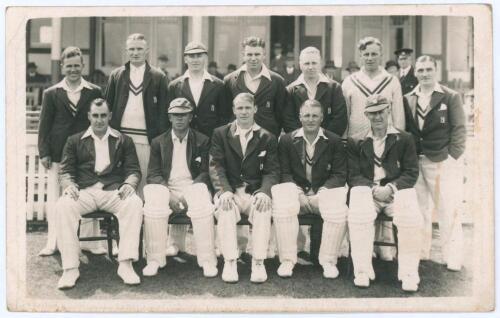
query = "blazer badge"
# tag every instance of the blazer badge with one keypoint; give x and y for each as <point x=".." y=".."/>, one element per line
<point x="443" y="107"/>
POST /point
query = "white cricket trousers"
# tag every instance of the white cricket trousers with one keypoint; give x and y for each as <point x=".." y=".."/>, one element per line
<point x="226" y="226"/>
<point x="442" y="182"/>
<point x="68" y="212"/>
<point x="407" y="218"/>
<point x="87" y="228"/>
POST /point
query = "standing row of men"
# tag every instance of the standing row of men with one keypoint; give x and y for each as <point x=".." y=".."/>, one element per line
<point x="243" y="160"/>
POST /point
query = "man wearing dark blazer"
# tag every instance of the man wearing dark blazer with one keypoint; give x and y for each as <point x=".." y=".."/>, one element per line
<point x="382" y="172"/>
<point x="99" y="170"/>
<point x="178" y="182"/>
<point x="268" y="87"/>
<point x="64" y="113"/>
<point x="435" y="117"/>
<point x="313" y="176"/>
<point x="243" y="167"/>
<point x="137" y="95"/>
<point x="313" y="84"/>
<point x="406" y="71"/>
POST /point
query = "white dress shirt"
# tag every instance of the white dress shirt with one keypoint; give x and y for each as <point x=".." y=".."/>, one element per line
<point x="252" y="83"/>
<point x="74" y="94"/>
<point x="310" y="148"/>
<point x="423" y="102"/>
<point x="245" y="136"/>
<point x="179" y="173"/>
<point x="311" y="90"/>
<point x="102" y="158"/>
<point x="378" y="149"/>
<point x="196" y="84"/>
<point x="404" y="71"/>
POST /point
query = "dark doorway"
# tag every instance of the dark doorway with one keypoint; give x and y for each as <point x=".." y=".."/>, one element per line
<point x="282" y="31"/>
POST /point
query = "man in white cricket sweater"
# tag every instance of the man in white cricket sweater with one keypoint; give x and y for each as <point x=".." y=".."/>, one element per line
<point x="137" y="95"/>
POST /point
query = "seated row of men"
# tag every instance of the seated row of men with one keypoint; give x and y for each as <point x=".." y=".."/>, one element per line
<point x="249" y="172"/>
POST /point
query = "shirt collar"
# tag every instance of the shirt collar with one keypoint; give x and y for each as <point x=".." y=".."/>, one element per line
<point x="437" y="88"/>
<point x="390" y="130"/>
<point x="322" y="79"/>
<point x="174" y="137"/>
<point x="239" y="130"/>
<point x="382" y="71"/>
<point x="263" y="72"/>
<point x="206" y="75"/>
<point x="90" y="133"/>
<point x="64" y="85"/>
<point x="141" y="69"/>
<point x="321" y="133"/>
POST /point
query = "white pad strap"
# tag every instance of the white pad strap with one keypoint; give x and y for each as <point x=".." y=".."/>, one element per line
<point x="361" y="206"/>
<point x="332" y="204"/>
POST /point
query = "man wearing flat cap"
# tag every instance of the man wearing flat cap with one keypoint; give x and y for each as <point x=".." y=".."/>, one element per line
<point x="382" y="172"/>
<point x="406" y="72"/>
<point x="206" y="94"/>
<point x="178" y="182"/>
<point x="291" y="72"/>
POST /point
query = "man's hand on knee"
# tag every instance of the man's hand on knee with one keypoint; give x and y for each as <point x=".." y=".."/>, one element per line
<point x="305" y="206"/>
<point x="226" y="201"/>
<point x="125" y="191"/>
<point x="177" y="203"/>
<point x="262" y="202"/>
<point x="383" y="194"/>
<point x="72" y="191"/>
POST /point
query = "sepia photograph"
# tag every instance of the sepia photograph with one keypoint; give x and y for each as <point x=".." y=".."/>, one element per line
<point x="250" y="159"/>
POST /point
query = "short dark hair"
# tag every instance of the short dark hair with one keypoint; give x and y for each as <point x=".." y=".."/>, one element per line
<point x="426" y="58"/>
<point x="71" y="51"/>
<point x="254" y="42"/>
<point x="99" y="102"/>
<point x="311" y="103"/>
<point x="364" y="42"/>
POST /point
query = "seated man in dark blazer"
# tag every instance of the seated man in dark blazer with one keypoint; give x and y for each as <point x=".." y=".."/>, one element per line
<point x="313" y="175"/>
<point x="383" y="170"/>
<point x="99" y="170"/>
<point x="243" y="167"/>
<point x="177" y="182"/>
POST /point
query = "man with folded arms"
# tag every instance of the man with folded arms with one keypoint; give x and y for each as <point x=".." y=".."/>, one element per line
<point x="243" y="167"/>
<point x="313" y="176"/>
<point x="383" y="170"/>
<point x="177" y="182"/>
<point x="99" y="171"/>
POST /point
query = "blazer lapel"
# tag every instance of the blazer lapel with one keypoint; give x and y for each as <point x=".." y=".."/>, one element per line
<point x="252" y="144"/>
<point x="321" y="146"/>
<point x="191" y="143"/>
<point x="62" y="96"/>
<point x="264" y="86"/>
<point x="205" y="91"/>
<point x="240" y="83"/>
<point x="234" y="141"/>
<point x="389" y="143"/>
<point x="301" y="91"/>
<point x="146" y="80"/>
<point x="186" y="91"/>
<point x="367" y="148"/>
<point x="298" y="143"/>
<point x="166" y="150"/>
<point x="88" y="144"/>
<point x="321" y="90"/>
<point x="436" y="99"/>
<point x="84" y="97"/>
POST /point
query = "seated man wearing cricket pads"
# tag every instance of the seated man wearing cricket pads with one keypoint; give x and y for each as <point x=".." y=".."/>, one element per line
<point x="313" y="175"/>
<point x="382" y="172"/>
<point x="177" y="182"/>
<point x="243" y="167"/>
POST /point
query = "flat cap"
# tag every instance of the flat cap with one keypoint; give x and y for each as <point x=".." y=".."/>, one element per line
<point x="403" y="52"/>
<point x="194" y="48"/>
<point x="180" y="105"/>
<point x="375" y="103"/>
<point x="163" y="57"/>
<point x="351" y="65"/>
<point x="330" y="64"/>
<point x="290" y="56"/>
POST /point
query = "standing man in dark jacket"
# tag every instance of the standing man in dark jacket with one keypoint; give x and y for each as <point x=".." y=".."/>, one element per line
<point x="313" y="84"/>
<point x="64" y="113"/>
<point x="137" y="95"/>
<point x="406" y="70"/>
<point x="243" y="167"/>
<point x="313" y="176"/>
<point x="178" y="182"/>
<point x="383" y="170"/>
<point x="267" y="86"/>
<point x="435" y="117"/>
<point x="99" y="170"/>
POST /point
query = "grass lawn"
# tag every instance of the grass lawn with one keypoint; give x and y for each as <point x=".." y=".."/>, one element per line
<point x="182" y="277"/>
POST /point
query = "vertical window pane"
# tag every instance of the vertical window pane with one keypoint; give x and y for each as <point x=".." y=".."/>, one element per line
<point x="40" y="33"/>
<point x="113" y="38"/>
<point x="168" y="37"/>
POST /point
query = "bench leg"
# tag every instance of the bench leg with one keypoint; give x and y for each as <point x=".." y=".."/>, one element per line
<point x="316" y="231"/>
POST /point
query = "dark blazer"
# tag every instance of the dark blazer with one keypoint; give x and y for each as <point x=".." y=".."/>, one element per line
<point x="399" y="161"/>
<point x="154" y="96"/>
<point x="258" y="170"/>
<point x="444" y="130"/>
<point x="409" y="81"/>
<point x="331" y="98"/>
<point x="162" y="149"/>
<point x="57" y="122"/>
<point x="270" y="99"/>
<point x="212" y="110"/>
<point x="329" y="163"/>
<point x="78" y="163"/>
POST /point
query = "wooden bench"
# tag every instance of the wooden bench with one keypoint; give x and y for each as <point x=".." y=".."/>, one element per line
<point x="315" y="221"/>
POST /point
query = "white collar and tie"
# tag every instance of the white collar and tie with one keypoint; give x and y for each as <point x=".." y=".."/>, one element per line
<point x="245" y="135"/>
<point x="73" y="94"/>
<point x="423" y="102"/>
<point x="196" y="85"/>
